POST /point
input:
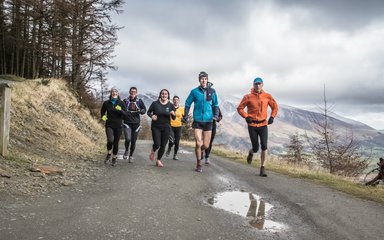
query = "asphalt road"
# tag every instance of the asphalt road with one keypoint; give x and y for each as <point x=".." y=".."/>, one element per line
<point x="226" y="201"/>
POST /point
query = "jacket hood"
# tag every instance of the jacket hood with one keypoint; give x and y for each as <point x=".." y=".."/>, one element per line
<point x="255" y="92"/>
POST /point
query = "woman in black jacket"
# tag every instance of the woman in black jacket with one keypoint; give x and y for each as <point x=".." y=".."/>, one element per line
<point x="113" y="112"/>
<point x="161" y="112"/>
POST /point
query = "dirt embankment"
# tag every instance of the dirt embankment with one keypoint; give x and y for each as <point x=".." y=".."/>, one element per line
<point x="54" y="141"/>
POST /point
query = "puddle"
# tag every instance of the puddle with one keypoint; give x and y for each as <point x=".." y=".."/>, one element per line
<point x="249" y="206"/>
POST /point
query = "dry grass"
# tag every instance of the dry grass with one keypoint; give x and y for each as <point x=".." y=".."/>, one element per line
<point x="347" y="185"/>
<point x="48" y="118"/>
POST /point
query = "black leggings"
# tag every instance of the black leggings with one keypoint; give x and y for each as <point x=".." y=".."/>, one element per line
<point x="113" y="138"/>
<point x="258" y="132"/>
<point x="130" y="134"/>
<point x="208" y="150"/>
<point x="176" y="139"/>
<point x="160" y="136"/>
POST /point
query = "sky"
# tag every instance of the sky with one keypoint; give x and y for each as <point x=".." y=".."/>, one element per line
<point x="299" y="48"/>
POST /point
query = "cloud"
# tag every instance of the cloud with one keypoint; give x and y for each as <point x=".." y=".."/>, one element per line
<point x="297" y="47"/>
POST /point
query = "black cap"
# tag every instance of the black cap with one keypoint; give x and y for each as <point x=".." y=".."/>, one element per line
<point x="203" y="74"/>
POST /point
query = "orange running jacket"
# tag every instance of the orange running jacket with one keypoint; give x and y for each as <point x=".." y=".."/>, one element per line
<point x="257" y="107"/>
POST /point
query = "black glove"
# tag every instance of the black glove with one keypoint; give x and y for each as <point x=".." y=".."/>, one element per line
<point x="270" y="120"/>
<point x="248" y="119"/>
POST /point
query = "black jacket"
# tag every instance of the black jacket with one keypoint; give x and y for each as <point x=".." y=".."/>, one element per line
<point x="134" y="108"/>
<point x="114" y="117"/>
<point x="163" y="113"/>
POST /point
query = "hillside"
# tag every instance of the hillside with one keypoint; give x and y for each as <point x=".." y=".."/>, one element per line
<point x="232" y="131"/>
<point x="53" y="139"/>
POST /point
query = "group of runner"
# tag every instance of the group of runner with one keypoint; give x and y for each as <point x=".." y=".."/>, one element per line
<point x="167" y="118"/>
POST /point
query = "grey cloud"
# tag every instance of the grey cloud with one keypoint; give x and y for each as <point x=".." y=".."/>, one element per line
<point x="166" y="44"/>
<point x="336" y="14"/>
<point x="186" y="19"/>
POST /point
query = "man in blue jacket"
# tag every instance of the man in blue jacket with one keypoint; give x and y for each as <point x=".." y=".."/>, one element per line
<point x="206" y="109"/>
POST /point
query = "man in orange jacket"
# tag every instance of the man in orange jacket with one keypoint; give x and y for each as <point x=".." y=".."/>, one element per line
<point x="257" y="103"/>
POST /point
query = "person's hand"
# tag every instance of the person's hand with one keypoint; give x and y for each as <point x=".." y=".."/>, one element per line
<point x="173" y="113"/>
<point x="118" y="107"/>
<point x="270" y="120"/>
<point x="142" y="111"/>
<point x="248" y="119"/>
<point x="184" y="119"/>
<point x="154" y="117"/>
<point x="104" y="118"/>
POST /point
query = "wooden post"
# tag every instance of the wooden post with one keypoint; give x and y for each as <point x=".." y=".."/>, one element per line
<point x="5" y="117"/>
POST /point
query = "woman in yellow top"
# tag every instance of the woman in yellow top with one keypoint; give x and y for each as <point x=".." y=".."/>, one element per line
<point x="174" y="137"/>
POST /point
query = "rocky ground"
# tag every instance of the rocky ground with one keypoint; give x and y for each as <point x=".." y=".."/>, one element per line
<point x="31" y="180"/>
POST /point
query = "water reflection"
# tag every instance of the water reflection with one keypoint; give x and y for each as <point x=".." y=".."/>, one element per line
<point x="249" y="206"/>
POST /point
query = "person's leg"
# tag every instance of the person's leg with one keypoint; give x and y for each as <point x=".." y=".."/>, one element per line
<point x="253" y="135"/>
<point x="263" y="133"/>
<point x="116" y="135"/>
<point x="171" y="142"/>
<point x="109" y="133"/>
<point x="134" y="134"/>
<point x="206" y="140"/>
<point x="198" y="144"/>
<point x="164" y="136"/>
<point x="208" y="150"/>
<point x="177" y="134"/>
<point x="156" y="136"/>
<point x="127" y="135"/>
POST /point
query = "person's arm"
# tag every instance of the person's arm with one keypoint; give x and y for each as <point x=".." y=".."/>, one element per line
<point x="220" y="115"/>
<point x="123" y="110"/>
<point x="150" y="110"/>
<point x="143" y="109"/>
<point x="173" y="111"/>
<point x="273" y="105"/>
<point x="188" y="103"/>
<point x="215" y="106"/>
<point x="103" y="109"/>
<point x="242" y="105"/>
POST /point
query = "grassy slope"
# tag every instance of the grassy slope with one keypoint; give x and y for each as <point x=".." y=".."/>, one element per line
<point x="49" y="127"/>
<point x="50" y="119"/>
<point x="350" y="186"/>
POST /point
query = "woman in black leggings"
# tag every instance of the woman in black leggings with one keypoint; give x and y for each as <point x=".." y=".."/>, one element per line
<point x="161" y="112"/>
<point x="176" y="127"/>
<point x="113" y="112"/>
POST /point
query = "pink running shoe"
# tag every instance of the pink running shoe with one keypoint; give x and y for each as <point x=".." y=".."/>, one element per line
<point x="159" y="163"/>
<point x="152" y="156"/>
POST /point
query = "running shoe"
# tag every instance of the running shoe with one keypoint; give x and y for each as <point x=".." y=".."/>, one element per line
<point x="168" y="152"/>
<point x="199" y="169"/>
<point x="130" y="159"/>
<point x="175" y="157"/>
<point x="262" y="172"/>
<point x="207" y="162"/>
<point x="107" y="158"/>
<point x="152" y="156"/>
<point x="250" y="156"/>
<point x="125" y="156"/>
<point x="113" y="161"/>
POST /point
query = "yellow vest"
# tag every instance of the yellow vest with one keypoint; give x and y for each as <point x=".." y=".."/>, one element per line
<point x="179" y="114"/>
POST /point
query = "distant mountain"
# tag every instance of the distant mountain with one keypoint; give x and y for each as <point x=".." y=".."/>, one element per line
<point x="232" y="131"/>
